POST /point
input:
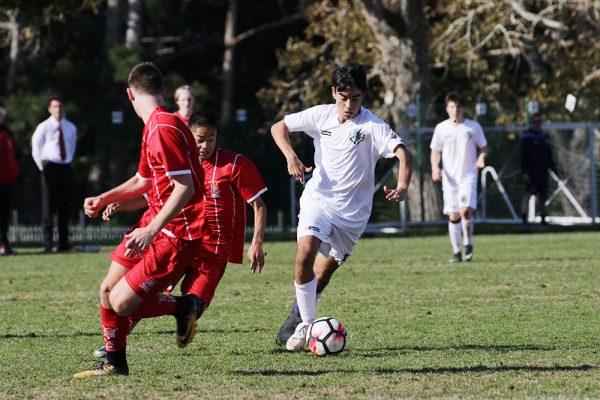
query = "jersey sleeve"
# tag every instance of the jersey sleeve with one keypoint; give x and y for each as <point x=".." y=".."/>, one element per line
<point x="480" y="139"/>
<point x="247" y="180"/>
<point x="385" y="140"/>
<point x="305" y="121"/>
<point x="436" y="143"/>
<point x="170" y="147"/>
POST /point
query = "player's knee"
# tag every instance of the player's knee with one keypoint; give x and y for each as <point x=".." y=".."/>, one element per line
<point x="466" y="213"/>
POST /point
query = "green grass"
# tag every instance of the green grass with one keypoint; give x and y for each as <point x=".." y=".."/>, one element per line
<point x="521" y="320"/>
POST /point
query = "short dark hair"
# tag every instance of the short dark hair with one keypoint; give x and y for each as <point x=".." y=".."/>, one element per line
<point x="54" y="98"/>
<point x="350" y="75"/>
<point x="146" y="78"/>
<point x="536" y="116"/>
<point x="203" y="119"/>
<point x="455" y="97"/>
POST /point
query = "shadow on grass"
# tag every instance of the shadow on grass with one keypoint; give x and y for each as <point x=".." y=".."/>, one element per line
<point x="446" y="370"/>
<point x="501" y="348"/>
<point x="30" y="335"/>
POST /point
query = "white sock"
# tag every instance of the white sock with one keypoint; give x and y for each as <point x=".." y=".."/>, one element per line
<point x="306" y="296"/>
<point x="467" y="231"/>
<point x="455" y="232"/>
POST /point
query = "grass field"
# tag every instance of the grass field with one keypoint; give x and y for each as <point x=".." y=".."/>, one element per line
<point x="521" y="320"/>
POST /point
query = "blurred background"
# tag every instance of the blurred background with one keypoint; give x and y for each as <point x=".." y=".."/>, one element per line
<point x="251" y="62"/>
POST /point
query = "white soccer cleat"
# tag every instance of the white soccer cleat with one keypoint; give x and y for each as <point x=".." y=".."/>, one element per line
<point x="297" y="341"/>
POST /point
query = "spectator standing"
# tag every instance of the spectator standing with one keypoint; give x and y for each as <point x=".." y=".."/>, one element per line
<point x="9" y="171"/>
<point x="536" y="160"/>
<point x="184" y="98"/>
<point x="53" y="147"/>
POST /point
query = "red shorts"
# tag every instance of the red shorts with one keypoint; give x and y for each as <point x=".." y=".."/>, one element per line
<point x="203" y="276"/>
<point x="118" y="254"/>
<point x="165" y="261"/>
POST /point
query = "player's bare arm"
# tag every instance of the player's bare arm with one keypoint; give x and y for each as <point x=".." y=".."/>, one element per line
<point x="295" y="167"/>
<point x="128" y="190"/>
<point x="404" y="175"/>
<point x="483" y="152"/>
<point x="256" y="253"/>
<point x="140" y="238"/>
<point x="129" y="205"/>
<point x="436" y="172"/>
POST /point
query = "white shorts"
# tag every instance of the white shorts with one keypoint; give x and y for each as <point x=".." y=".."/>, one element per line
<point x="462" y="196"/>
<point x="336" y="241"/>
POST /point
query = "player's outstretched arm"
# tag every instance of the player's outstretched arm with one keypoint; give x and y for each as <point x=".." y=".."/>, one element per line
<point x="295" y="167"/>
<point x="129" y="205"/>
<point x="404" y="175"/>
<point x="128" y="190"/>
<point x="256" y="253"/>
<point x="140" y="238"/>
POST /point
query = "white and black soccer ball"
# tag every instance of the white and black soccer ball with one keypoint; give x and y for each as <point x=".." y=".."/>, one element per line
<point x="326" y="336"/>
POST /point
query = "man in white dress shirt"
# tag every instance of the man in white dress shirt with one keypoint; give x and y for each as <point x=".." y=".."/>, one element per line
<point x="456" y="143"/>
<point x="336" y="203"/>
<point x="52" y="147"/>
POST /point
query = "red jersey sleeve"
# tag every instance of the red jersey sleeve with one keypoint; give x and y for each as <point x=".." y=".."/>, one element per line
<point x="143" y="170"/>
<point x="247" y="180"/>
<point x="169" y="146"/>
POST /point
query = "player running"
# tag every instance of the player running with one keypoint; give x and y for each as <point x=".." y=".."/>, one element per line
<point x="170" y="173"/>
<point x="231" y="181"/>
<point x="336" y="203"/>
<point x="455" y="142"/>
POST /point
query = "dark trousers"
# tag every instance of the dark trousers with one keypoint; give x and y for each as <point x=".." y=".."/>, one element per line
<point x="57" y="182"/>
<point x="5" y="196"/>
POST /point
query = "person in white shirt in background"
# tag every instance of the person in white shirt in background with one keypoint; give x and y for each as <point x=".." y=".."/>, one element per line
<point x="53" y="147"/>
<point x="336" y="203"/>
<point x="461" y="146"/>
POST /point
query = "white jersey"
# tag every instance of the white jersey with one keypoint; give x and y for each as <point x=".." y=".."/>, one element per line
<point x="458" y="145"/>
<point x="345" y="156"/>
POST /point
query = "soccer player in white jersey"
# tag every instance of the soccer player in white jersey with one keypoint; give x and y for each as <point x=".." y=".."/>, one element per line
<point x="456" y="143"/>
<point x="336" y="203"/>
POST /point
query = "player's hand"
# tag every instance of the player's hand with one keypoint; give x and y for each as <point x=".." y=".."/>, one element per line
<point x="110" y="210"/>
<point x="297" y="169"/>
<point x="257" y="257"/>
<point x="480" y="163"/>
<point x="395" y="194"/>
<point x="139" y="240"/>
<point x="92" y="206"/>
<point x="436" y="174"/>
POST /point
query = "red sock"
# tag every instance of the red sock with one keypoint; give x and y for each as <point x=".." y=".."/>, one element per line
<point x="155" y="306"/>
<point x="114" y="330"/>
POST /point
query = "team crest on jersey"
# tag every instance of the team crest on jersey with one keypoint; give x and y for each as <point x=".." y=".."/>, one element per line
<point x="215" y="192"/>
<point x="357" y="136"/>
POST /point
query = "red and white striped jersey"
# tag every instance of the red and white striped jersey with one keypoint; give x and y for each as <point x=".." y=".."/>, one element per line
<point x="169" y="149"/>
<point x="231" y="180"/>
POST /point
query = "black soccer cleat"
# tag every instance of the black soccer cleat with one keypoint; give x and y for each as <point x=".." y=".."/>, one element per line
<point x="468" y="252"/>
<point x="289" y="325"/>
<point x="456" y="258"/>
<point x="190" y="308"/>
<point x="102" y="368"/>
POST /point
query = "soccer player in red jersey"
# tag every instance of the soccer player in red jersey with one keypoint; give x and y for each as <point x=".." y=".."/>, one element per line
<point x="230" y="181"/>
<point x="169" y="172"/>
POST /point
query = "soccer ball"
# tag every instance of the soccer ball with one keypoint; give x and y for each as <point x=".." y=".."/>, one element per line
<point x="326" y="336"/>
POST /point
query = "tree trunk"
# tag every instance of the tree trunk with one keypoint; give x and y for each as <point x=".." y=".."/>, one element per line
<point x="228" y="68"/>
<point x="14" y="31"/>
<point x="400" y="30"/>
<point x="134" y="23"/>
